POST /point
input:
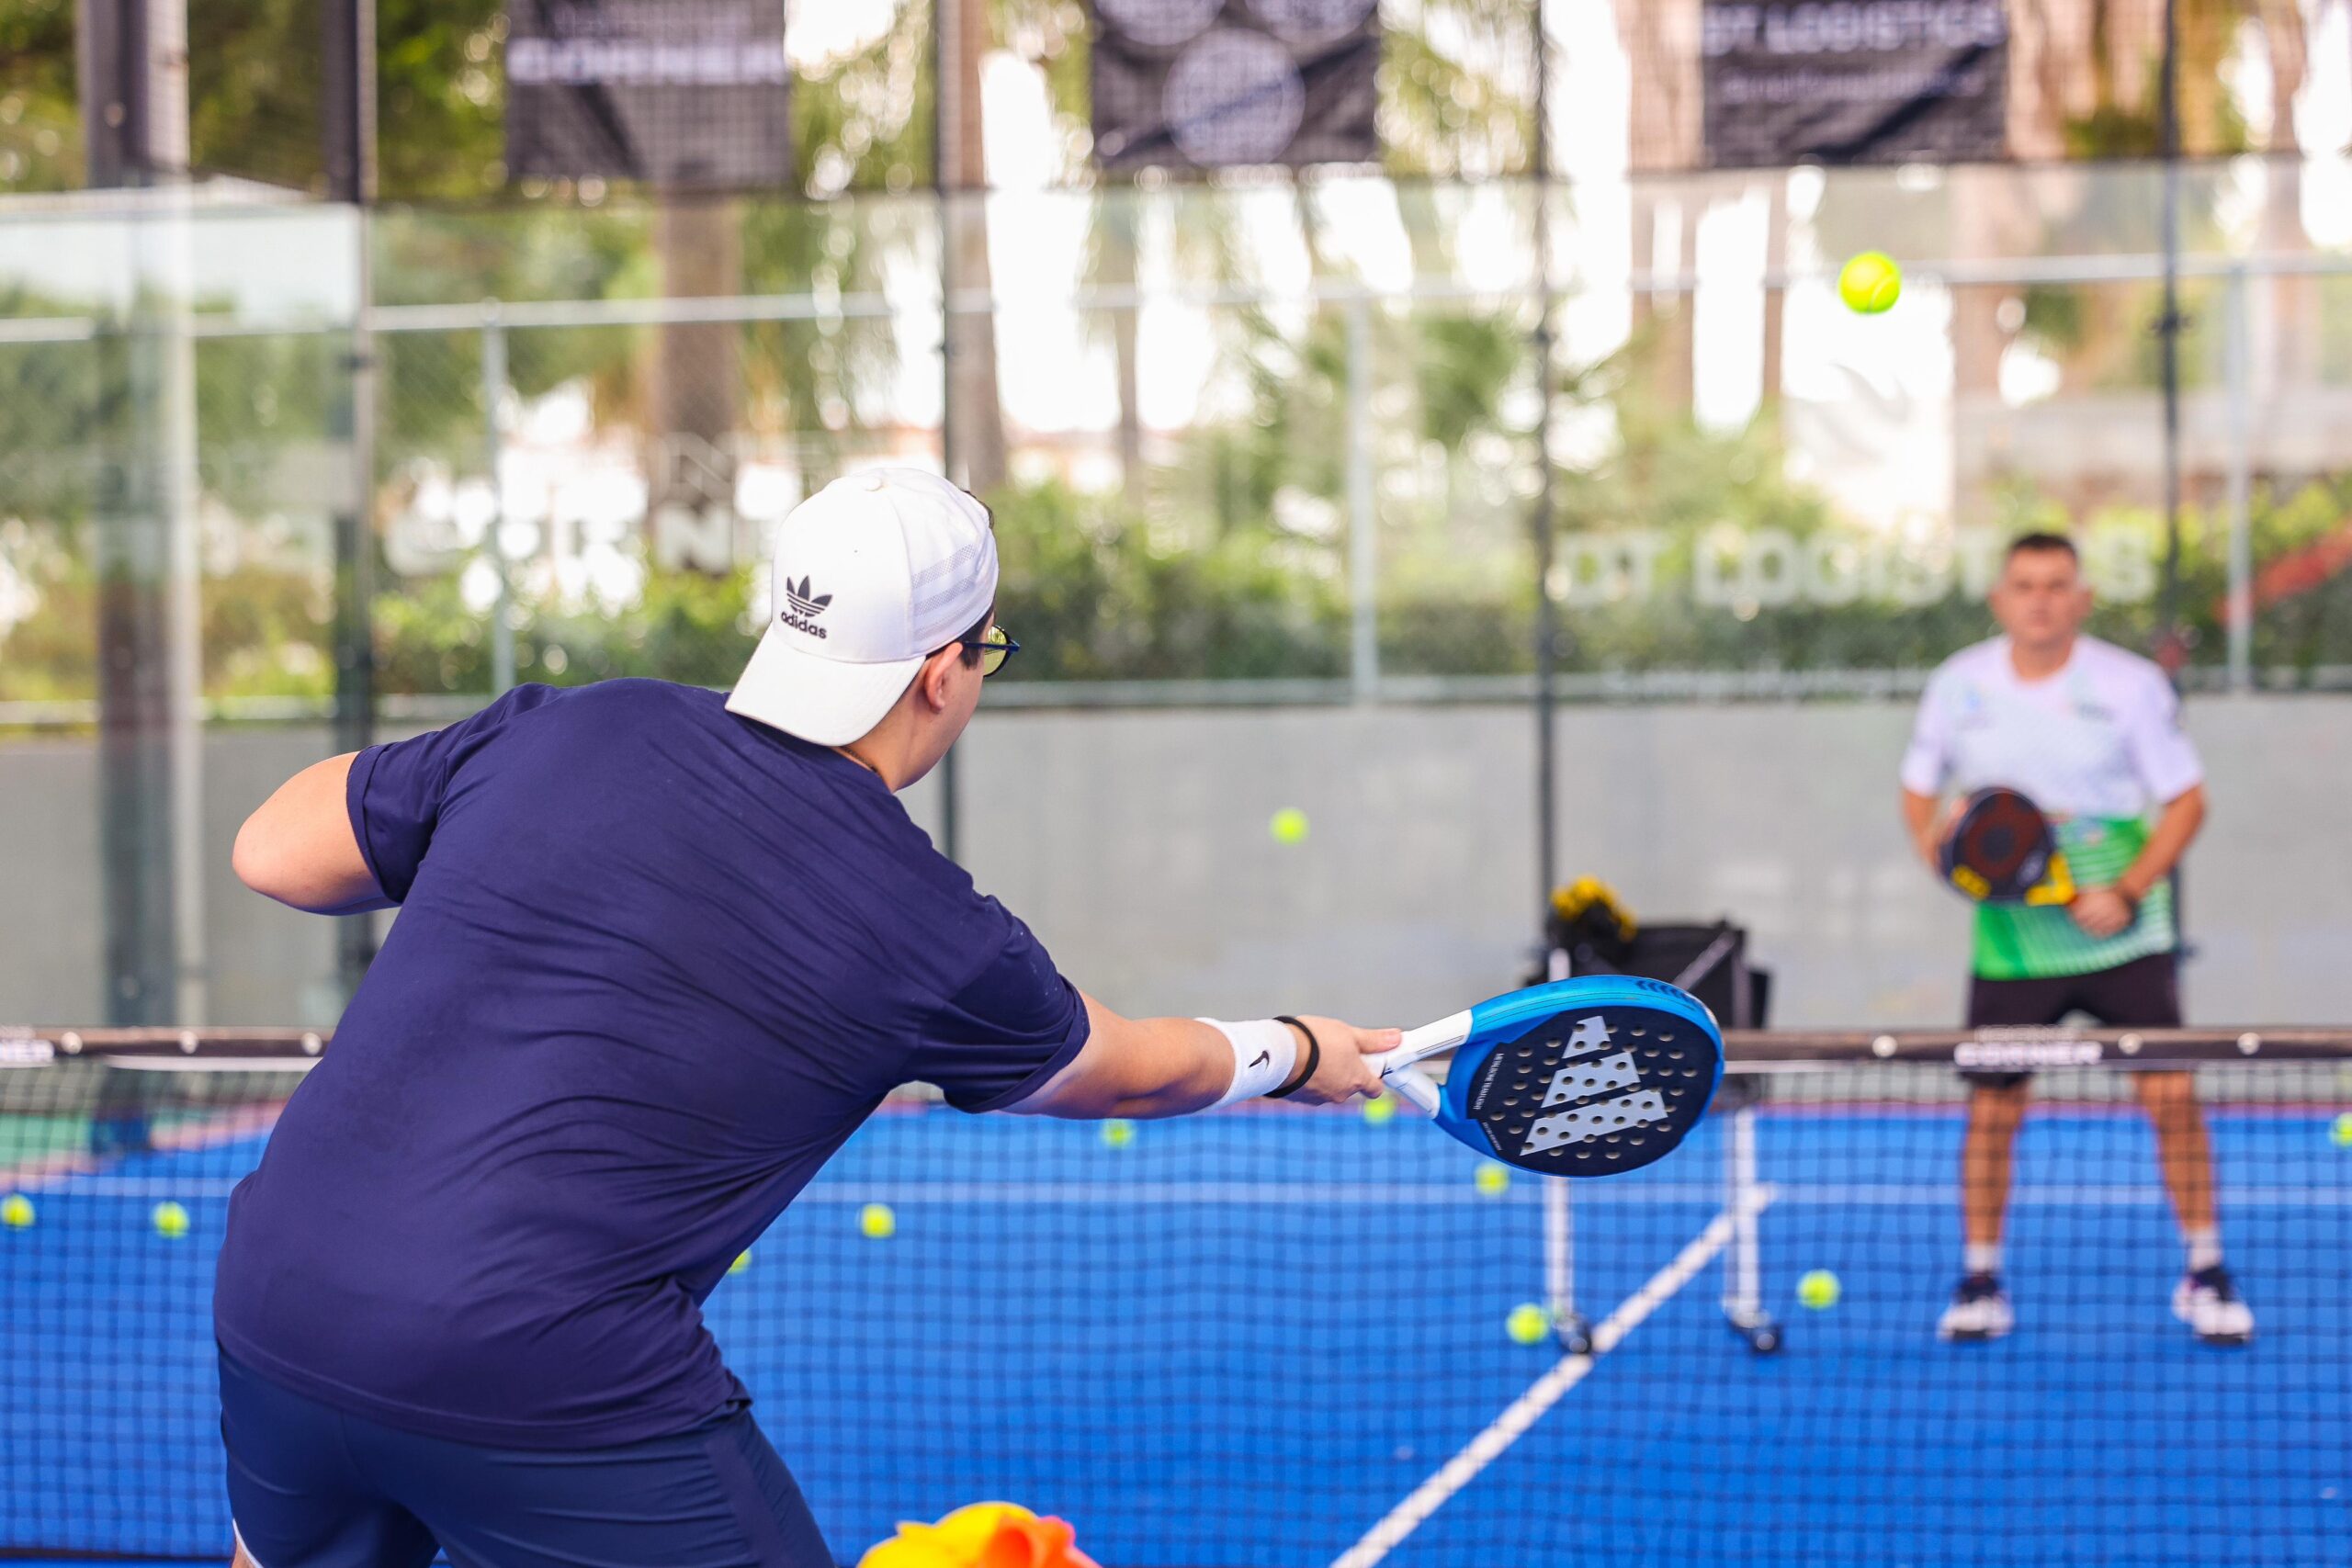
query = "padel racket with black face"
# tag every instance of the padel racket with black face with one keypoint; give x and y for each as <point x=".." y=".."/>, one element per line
<point x="1589" y="1077"/>
<point x="2001" y="850"/>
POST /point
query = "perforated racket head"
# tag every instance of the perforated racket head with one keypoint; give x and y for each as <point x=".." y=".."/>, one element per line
<point x="1999" y="848"/>
<point x="1589" y="1077"/>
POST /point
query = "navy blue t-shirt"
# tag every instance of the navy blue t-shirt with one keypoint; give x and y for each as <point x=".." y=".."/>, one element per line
<point x="653" y="964"/>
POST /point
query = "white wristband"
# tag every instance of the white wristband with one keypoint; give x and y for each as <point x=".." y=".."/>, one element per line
<point x="1264" y="1054"/>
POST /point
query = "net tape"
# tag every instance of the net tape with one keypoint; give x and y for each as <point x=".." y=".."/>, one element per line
<point x="1744" y="1051"/>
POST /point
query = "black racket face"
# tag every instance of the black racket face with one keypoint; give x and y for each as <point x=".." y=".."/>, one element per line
<point x="1594" y="1091"/>
<point x="2003" y="843"/>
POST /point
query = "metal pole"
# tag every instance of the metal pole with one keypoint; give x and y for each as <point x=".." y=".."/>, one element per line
<point x="176" y="492"/>
<point x="132" y="62"/>
<point x="1744" y="1278"/>
<point x="493" y="394"/>
<point x="2236" y="377"/>
<point x="1559" y="1252"/>
<point x="347" y="131"/>
<point x="947" y="85"/>
<point x="2170" y="648"/>
<point x="1363" y="573"/>
<point x="1547" y="853"/>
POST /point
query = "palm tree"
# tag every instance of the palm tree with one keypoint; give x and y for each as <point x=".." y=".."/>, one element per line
<point x="1661" y="42"/>
<point x="2085" y="83"/>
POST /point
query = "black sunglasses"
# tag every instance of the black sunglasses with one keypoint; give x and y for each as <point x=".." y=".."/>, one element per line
<point x="995" y="646"/>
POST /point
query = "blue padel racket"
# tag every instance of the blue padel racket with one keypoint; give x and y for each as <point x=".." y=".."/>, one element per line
<point x="1589" y="1077"/>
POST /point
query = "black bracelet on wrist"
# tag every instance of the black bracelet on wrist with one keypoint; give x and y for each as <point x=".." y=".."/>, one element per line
<point x="1314" y="1059"/>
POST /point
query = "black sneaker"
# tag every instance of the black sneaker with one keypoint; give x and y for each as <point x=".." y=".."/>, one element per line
<point x="2208" y="1301"/>
<point x="1979" y="1310"/>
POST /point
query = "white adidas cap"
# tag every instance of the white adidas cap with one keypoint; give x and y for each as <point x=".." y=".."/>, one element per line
<point x="873" y="574"/>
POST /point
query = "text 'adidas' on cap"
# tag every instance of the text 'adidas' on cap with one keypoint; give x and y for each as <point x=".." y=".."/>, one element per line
<point x="872" y="575"/>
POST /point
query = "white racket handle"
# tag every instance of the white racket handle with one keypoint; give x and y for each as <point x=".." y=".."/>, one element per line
<point x="1415" y="1085"/>
<point x="1397" y="1069"/>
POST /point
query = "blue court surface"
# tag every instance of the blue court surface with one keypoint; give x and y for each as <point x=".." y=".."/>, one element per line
<point x="1251" y="1339"/>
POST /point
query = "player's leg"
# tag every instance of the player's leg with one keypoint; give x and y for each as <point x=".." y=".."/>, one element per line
<point x="294" y="1496"/>
<point x="1997" y="1102"/>
<point x="2146" y="992"/>
<point x="716" y="1496"/>
<point x="2184" y="1154"/>
<point x="1980" y="1305"/>
<point x="2207" y="1297"/>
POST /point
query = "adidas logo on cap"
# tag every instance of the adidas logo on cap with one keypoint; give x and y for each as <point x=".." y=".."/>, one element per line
<point x="804" y="606"/>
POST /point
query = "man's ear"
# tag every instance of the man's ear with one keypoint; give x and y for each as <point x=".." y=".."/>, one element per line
<point x="931" y="680"/>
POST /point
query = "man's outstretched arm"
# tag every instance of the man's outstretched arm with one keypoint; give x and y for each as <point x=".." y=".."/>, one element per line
<point x="1167" y="1067"/>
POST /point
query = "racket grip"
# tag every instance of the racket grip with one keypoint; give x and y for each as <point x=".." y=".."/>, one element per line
<point x="1415" y="1085"/>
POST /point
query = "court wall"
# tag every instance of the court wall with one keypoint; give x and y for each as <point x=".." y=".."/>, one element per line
<point x="1138" y="843"/>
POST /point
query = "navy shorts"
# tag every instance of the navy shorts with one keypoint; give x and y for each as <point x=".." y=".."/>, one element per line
<point x="312" y="1487"/>
<point x="2143" y="993"/>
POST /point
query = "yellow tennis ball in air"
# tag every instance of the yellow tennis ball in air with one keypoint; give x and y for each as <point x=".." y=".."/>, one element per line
<point x="17" y="1211"/>
<point x="1118" y="1133"/>
<point x="876" y="1223"/>
<point x="1818" y="1288"/>
<point x="2341" y="1133"/>
<point x="1493" y="1180"/>
<point x="1289" y="825"/>
<point x="1381" y="1111"/>
<point x="743" y="1261"/>
<point x="1528" y="1324"/>
<point x="171" y="1220"/>
<point x="1870" y="283"/>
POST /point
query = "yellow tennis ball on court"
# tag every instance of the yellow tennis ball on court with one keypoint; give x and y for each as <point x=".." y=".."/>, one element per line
<point x="1493" y="1180"/>
<point x="1381" y="1111"/>
<point x="17" y="1211"/>
<point x="2341" y="1133"/>
<point x="876" y="1223"/>
<point x="1818" y="1288"/>
<point x="171" y="1220"/>
<point x="1118" y="1133"/>
<point x="1528" y="1324"/>
<point x="743" y="1261"/>
<point x="1870" y="283"/>
<point x="1289" y="825"/>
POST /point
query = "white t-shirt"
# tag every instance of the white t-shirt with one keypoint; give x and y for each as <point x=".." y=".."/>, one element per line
<point x="2096" y="746"/>
<point x="2101" y="737"/>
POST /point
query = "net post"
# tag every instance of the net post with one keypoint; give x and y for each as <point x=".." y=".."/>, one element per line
<point x="1560" y="1268"/>
<point x="1742" y="1263"/>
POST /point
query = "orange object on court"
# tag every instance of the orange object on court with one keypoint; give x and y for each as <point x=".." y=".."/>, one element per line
<point x="983" y="1535"/>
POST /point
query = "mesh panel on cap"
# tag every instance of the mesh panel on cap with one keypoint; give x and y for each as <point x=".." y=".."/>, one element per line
<point x="945" y="598"/>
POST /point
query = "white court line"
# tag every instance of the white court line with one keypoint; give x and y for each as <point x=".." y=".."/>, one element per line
<point x="1545" y="1392"/>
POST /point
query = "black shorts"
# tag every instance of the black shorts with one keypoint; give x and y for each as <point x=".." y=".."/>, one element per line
<point x="2143" y="994"/>
<point x="313" y="1487"/>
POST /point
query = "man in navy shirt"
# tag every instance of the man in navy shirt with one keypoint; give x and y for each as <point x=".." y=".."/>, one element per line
<point x="659" y="955"/>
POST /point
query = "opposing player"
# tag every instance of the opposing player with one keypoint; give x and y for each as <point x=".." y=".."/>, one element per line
<point x="2092" y="735"/>
<point x="659" y="953"/>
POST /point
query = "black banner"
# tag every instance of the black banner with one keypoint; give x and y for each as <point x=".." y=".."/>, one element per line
<point x="1854" y="81"/>
<point x="1220" y="84"/>
<point x="689" y="94"/>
